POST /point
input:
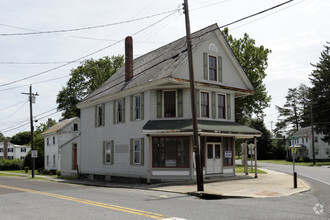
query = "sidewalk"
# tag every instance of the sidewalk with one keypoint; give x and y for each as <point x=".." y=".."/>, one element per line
<point x="272" y="184"/>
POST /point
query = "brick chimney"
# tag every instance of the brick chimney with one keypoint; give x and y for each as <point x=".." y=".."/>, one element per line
<point x="49" y="123"/>
<point x="128" y="58"/>
<point x="5" y="148"/>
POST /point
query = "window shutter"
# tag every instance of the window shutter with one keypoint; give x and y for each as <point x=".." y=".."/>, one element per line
<point x="142" y="151"/>
<point x="159" y="103"/>
<point x="112" y="146"/>
<point x="131" y="152"/>
<point x="220" y="69"/>
<point x="197" y="103"/>
<point x="103" y="114"/>
<point x="124" y="112"/>
<point x="103" y="155"/>
<point x="114" y="111"/>
<point x="131" y="107"/>
<point x="205" y="62"/>
<point x="228" y="107"/>
<point x="213" y="100"/>
<point x="95" y="116"/>
<point x="142" y="106"/>
<point x="180" y="103"/>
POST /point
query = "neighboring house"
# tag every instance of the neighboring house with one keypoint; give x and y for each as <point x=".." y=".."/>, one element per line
<point x="138" y="123"/>
<point x="303" y="143"/>
<point x="61" y="142"/>
<point x="12" y="151"/>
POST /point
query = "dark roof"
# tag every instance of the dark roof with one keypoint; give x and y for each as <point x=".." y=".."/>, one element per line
<point x="155" y="65"/>
<point x="185" y="125"/>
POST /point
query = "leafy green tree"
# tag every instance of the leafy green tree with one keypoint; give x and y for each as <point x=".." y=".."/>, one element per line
<point x="254" y="61"/>
<point x="291" y="115"/>
<point x="264" y="147"/>
<point x="1" y="137"/>
<point x="87" y="77"/>
<point x="320" y="93"/>
<point x="21" y="138"/>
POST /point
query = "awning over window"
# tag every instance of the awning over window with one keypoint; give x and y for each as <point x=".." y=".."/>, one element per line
<point x="205" y="127"/>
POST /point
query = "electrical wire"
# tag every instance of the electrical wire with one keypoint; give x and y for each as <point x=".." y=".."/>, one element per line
<point x="83" y="57"/>
<point x="12" y="105"/>
<point x="88" y="28"/>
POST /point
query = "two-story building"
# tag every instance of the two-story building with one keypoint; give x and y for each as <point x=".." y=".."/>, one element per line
<point x="61" y="143"/>
<point x="303" y="142"/>
<point x="13" y="151"/>
<point x="138" y="123"/>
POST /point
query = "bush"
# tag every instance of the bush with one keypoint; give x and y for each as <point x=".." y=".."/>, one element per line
<point x="26" y="169"/>
<point x="52" y="172"/>
<point x="58" y="173"/>
<point x="14" y="164"/>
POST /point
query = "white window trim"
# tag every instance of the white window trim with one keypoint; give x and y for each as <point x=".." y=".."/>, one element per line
<point x="216" y="106"/>
<point x="134" y="107"/>
<point x="208" y="67"/>
<point x="176" y="102"/>
<point x="140" y="152"/>
<point x="200" y="103"/>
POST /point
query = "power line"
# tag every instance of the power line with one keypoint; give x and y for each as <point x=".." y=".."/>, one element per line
<point x="83" y="57"/>
<point x="88" y="28"/>
<point x="12" y="105"/>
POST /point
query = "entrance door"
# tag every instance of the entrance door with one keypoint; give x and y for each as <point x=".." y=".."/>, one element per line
<point x="213" y="160"/>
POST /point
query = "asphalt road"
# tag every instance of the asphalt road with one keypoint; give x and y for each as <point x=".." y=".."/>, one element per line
<point x="317" y="177"/>
<point x="21" y="198"/>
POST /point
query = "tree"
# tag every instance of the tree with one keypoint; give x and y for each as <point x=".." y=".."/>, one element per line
<point x="1" y="137"/>
<point x="21" y="138"/>
<point x="320" y="93"/>
<point x="264" y="147"/>
<point x="292" y="114"/>
<point x="85" y="79"/>
<point x="254" y="61"/>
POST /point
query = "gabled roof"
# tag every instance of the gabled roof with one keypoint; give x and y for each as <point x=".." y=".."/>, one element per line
<point x="59" y="126"/>
<point x="155" y="65"/>
<point x="303" y="132"/>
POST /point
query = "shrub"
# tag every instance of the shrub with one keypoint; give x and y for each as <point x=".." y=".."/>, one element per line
<point x="58" y="173"/>
<point x="26" y="169"/>
<point x="14" y="164"/>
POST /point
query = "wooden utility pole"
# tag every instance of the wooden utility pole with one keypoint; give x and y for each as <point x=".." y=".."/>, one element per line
<point x="31" y="97"/>
<point x="197" y="149"/>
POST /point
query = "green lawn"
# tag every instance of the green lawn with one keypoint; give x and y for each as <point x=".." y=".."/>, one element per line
<point x="296" y="163"/>
<point x="240" y="169"/>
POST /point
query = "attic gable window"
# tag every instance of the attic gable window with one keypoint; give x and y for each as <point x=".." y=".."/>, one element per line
<point x="212" y="68"/>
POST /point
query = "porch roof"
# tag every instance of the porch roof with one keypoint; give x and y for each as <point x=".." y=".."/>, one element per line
<point x="205" y="127"/>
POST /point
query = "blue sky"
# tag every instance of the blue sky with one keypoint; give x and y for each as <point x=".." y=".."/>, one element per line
<point x="295" y="32"/>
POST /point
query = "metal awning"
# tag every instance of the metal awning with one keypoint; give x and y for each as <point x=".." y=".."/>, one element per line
<point x="205" y="128"/>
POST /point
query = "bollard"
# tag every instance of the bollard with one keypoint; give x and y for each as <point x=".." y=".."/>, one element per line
<point x="295" y="180"/>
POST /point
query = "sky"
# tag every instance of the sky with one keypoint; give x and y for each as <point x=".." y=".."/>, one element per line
<point x="295" y="32"/>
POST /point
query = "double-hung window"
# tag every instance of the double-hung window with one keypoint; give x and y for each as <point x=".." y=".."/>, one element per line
<point x="99" y="115"/>
<point x="120" y="111"/>
<point x="10" y="149"/>
<point x="137" y="151"/>
<point x="221" y="106"/>
<point x="107" y="152"/>
<point x="23" y="149"/>
<point x="137" y="107"/>
<point x="75" y="127"/>
<point x="53" y="140"/>
<point x="205" y="105"/>
<point x="54" y="160"/>
<point x="170" y="104"/>
<point x="1" y="149"/>
<point x="47" y="141"/>
<point x="213" y="68"/>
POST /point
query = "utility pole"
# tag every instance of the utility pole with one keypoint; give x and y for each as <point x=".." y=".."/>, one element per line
<point x="31" y="100"/>
<point x="312" y="121"/>
<point x="197" y="149"/>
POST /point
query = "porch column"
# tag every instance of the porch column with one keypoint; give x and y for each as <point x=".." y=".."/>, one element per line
<point x="246" y="168"/>
<point x="149" y="160"/>
<point x="255" y="158"/>
<point x="234" y="155"/>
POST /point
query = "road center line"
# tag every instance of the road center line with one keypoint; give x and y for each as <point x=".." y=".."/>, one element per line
<point x="89" y="202"/>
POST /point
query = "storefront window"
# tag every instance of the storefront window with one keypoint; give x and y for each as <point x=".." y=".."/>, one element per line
<point x="170" y="152"/>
